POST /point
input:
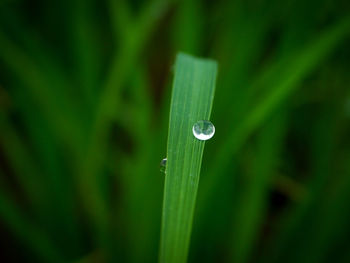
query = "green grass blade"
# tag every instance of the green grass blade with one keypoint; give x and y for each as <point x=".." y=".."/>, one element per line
<point x="253" y="201"/>
<point x="121" y="18"/>
<point x="192" y="98"/>
<point x="109" y="105"/>
<point x="57" y="106"/>
<point x="284" y="79"/>
<point x="28" y="233"/>
<point x="288" y="79"/>
<point x="83" y="42"/>
<point x="22" y="163"/>
<point x="287" y="245"/>
<point x="188" y="32"/>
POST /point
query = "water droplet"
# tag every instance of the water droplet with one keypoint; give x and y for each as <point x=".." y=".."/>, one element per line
<point x="203" y="130"/>
<point x="163" y="165"/>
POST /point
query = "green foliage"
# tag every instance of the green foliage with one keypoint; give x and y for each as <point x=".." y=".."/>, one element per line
<point x="191" y="101"/>
<point x="84" y="107"/>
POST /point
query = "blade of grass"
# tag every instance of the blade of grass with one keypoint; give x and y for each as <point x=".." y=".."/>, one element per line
<point x="330" y="225"/>
<point x="57" y="181"/>
<point x="32" y="181"/>
<point x="107" y="110"/>
<point x="286" y="244"/>
<point x="140" y="168"/>
<point x="188" y="28"/>
<point x="236" y="47"/>
<point x="58" y="109"/>
<point x="192" y="98"/>
<point x="83" y="36"/>
<point x="54" y="206"/>
<point x="23" y="229"/>
<point x="123" y="61"/>
<point x="120" y="18"/>
<point x="253" y="199"/>
<point x="22" y="163"/>
<point x="283" y="77"/>
<point x="145" y="234"/>
<point x="291" y="72"/>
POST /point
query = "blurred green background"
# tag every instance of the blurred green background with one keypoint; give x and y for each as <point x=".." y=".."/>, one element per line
<point x="84" y="103"/>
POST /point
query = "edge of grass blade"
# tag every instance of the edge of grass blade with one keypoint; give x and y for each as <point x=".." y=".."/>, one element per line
<point x="192" y="98"/>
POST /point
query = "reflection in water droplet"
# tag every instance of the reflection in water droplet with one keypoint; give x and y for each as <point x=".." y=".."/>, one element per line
<point x="163" y="165"/>
<point x="203" y="130"/>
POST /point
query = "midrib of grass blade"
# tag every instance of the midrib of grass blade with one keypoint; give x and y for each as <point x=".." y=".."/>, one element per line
<point x="192" y="98"/>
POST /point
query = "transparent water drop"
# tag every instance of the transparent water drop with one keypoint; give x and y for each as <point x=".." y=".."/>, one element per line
<point x="163" y="165"/>
<point x="203" y="130"/>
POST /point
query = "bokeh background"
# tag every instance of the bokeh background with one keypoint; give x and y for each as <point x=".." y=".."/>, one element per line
<point x="84" y="103"/>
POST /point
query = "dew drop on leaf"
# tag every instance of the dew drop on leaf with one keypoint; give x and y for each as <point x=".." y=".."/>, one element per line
<point x="163" y="165"/>
<point x="203" y="130"/>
